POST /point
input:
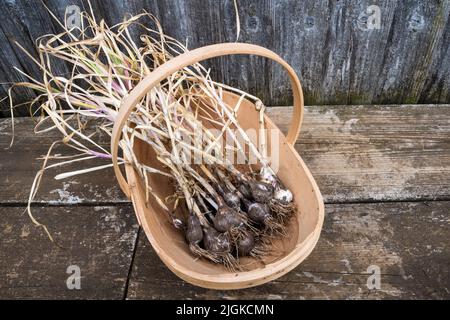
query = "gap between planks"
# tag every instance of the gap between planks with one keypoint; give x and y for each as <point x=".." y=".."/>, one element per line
<point x="357" y="154"/>
<point x="130" y="270"/>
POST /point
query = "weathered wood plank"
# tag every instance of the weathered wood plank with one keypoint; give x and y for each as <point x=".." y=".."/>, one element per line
<point x="338" y="59"/>
<point x="356" y="153"/>
<point x="414" y="263"/>
<point x="99" y="240"/>
<point x="20" y="163"/>
<point x="376" y="153"/>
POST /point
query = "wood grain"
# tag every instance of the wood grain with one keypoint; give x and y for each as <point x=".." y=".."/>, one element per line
<point x="20" y="163"/>
<point x="338" y="60"/>
<point x="376" y="153"/>
<point x="414" y="264"/>
<point x="356" y="153"/>
<point x="98" y="239"/>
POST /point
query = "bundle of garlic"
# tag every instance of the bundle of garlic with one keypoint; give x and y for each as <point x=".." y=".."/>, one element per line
<point x="231" y="212"/>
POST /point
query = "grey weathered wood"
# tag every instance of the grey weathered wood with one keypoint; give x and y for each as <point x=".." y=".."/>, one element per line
<point x="407" y="241"/>
<point x="376" y="153"/>
<point x="338" y="61"/>
<point x="20" y="163"/>
<point x="99" y="240"/>
<point x="356" y="153"/>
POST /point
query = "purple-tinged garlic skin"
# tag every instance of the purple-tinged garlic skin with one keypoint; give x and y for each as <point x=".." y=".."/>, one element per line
<point x="216" y="242"/>
<point x="267" y="176"/>
<point x="177" y="223"/>
<point x="261" y="192"/>
<point x="232" y="200"/>
<point x="226" y="219"/>
<point x="245" y="244"/>
<point x="258" y="212"/>
<point x="245" y="191"/>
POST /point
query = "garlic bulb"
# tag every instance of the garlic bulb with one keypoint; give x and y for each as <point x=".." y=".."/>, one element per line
<point x="283" y="195"/>
<point x="267" y="176"/>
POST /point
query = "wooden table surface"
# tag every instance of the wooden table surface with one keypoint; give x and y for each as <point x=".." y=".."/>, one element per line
<point x="384" y="172"/>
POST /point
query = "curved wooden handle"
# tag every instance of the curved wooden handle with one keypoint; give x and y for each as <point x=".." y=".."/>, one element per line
<point x="187" y="59"/>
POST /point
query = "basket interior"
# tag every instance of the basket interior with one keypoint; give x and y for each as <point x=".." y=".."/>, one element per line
<point x="172" y="242"/>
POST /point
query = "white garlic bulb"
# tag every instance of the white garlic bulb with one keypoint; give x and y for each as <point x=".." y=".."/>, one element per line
<point x="283" y="195"/>
<point x="267" y="176"/>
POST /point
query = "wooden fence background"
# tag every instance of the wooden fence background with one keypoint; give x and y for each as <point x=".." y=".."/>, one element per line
<point x="339" y="60"/>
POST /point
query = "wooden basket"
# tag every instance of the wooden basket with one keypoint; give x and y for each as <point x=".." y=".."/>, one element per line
<point x="169" y="243"/>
